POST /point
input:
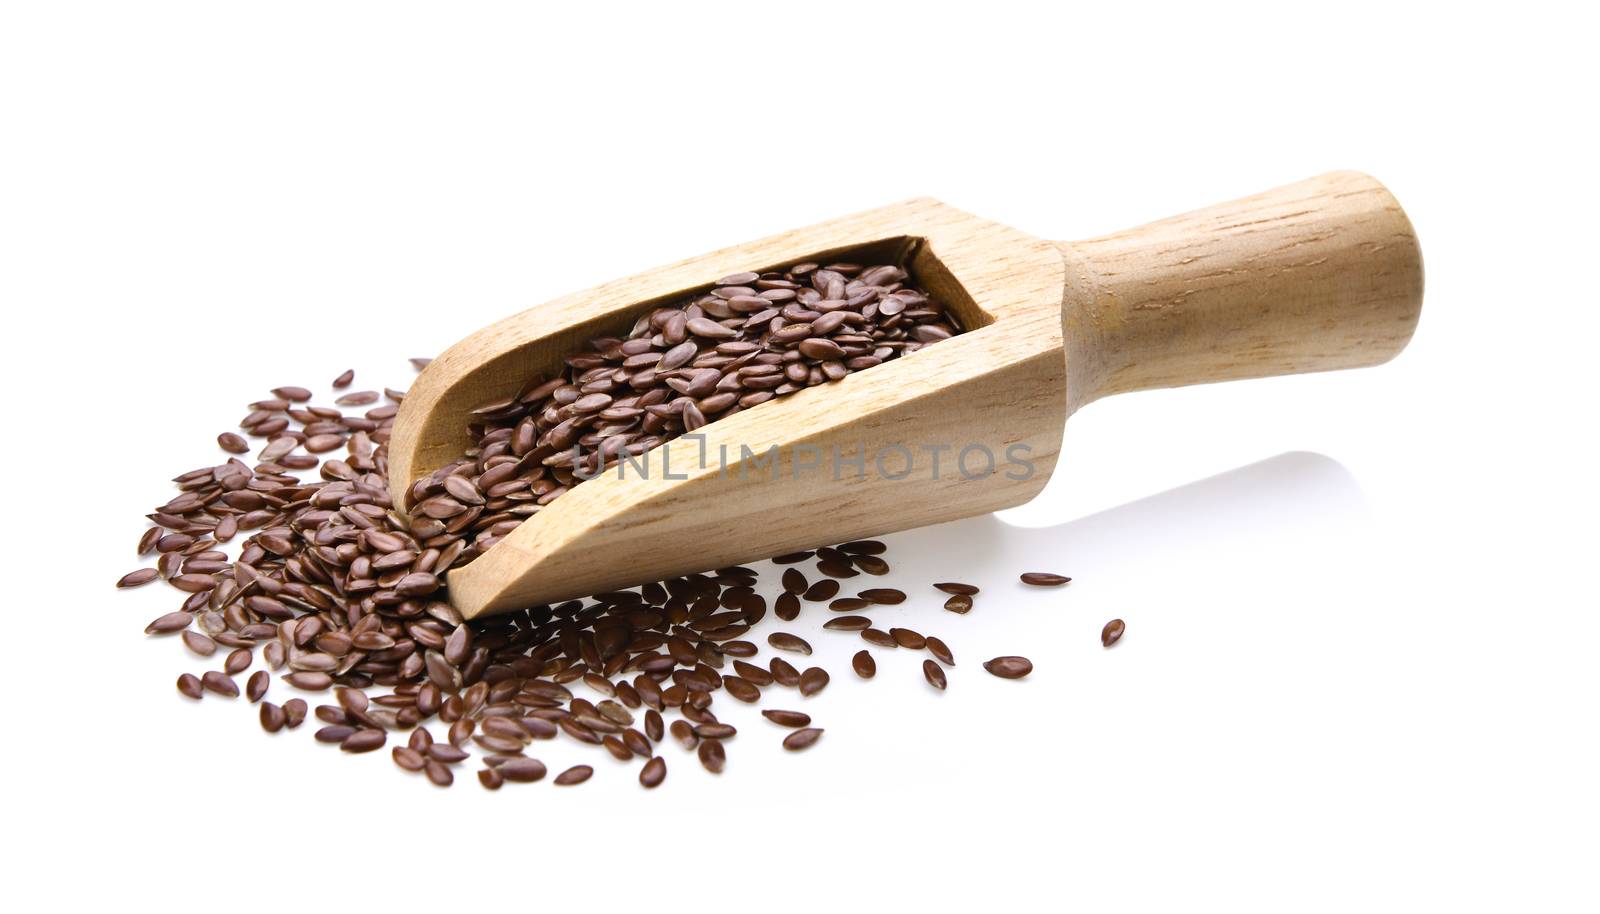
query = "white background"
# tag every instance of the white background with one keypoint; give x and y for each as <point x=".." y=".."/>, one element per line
<point x="1361" y="662"/>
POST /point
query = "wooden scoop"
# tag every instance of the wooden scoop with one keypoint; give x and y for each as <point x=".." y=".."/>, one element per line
<point x="1314" y="276"/>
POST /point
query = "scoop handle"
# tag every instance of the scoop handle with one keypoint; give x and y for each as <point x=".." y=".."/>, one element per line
<point x="1314" y="276"/>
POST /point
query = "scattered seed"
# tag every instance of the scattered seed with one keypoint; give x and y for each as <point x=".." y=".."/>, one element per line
<point x="577" y="774"/>
<point x="439" y="774"/>
<point x="825" y="589"/>
<point x="364" y="741"/>
<point x="965" y="590"/>
<point x="784" y="641"/>
<point x="783" y="673"/>
<point x="272" y="717"/>
<point x="1044" y="579"/>
<point x="880" y="638"/>
<point x="653" y="772"/>
<point x="960" y="603"/>
<point x="802" y="739"/>
<point x="347" y="378"/>
<point x="522" y="770"/>
<point x="256" y="685"/>
<point x="220" y="684"/>
<point x="939" y="649"/>
<point x="237" y="661"/>
<point x="848" y="624"/>
<point x="169" y="623"/>
<point x="813" y="680"/>
<point x="1009" y="667"/>
<point x="741" y="689"/>
<point x="199" y="643"/>
<point x="712" y="755"/>
<point x="934" y="673"/>
<point x="864" y="665"/>
<point x="788" y="718"/>
<point x="190" y="686"/>
<point x="136" y="578"/>
<point x="883" y="596"/>
<point x="907" y="638"/>
<point x="1112" y="633"/>
<point x="683" y="732"/>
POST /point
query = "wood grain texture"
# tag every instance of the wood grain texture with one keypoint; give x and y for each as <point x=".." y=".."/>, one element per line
<point x="1322" y="274"/>
<point x="1318" y="275"/>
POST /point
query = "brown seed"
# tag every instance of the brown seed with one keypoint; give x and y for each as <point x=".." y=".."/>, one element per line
<point x="364" y="741"/>
<point x="864" y="665"/>
<point x="939" y="649"/>
<point x="293" y="394"/>
<point x="256" y="685"/>
<point x="712" y="755"/>
<point x="966" y="590"/>
<point x="794" y="581"/>
<point x="654" y="727"/>
<point x="907" y="638"/>
<point x="333" y="733"/>
<point x="836" y="570"/>
<point x="741" y="689"/>
<point x="169" y="623"/>
<point x="788" y="718"/>
<point x="783" y="673"/>
<point x="871" y="564"/>
<point x="522" y="770"/>
<point x="136" y="578"/>
<point x="577" y="774"/>
<point x="802" y="739"/>
<point x="784" y="641"/>
<point x="232" y="443"/>
<point x="786" y="607"/>
<point x="237" y="661"/>
<point x="420" y="364"/>
<point x="190" y="686"/>
<point x="439" y="774"/>
<point x="347" y="378"/>
<point x="1112" y="633"/>
<point x="849" y="604"/>
<point x="1044" y="579"/>
<point x="309" y="680"/>
<point x="684" y="733"/>
<point x="879" y="638"/>
<point x="199" y="643"/>
<point x="883" y="596"/>
<point x="1009" y="667"/>
<point x="757" y="676"/>
<point x="490" y="778"/>
<point x="272" y="717"/>
<point x="934" y="673"/>
<point x="653" y="772"/>
<point x="446" y="753"/>
<point x="408" y="758"/>
<point x="813" y="680"/>
<point x="825" y="589"/>
<point x="220" y="684"/>
<point x="960" y="603"/>
<point x="294" y="712"/>
<point x="848" y="624"/>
